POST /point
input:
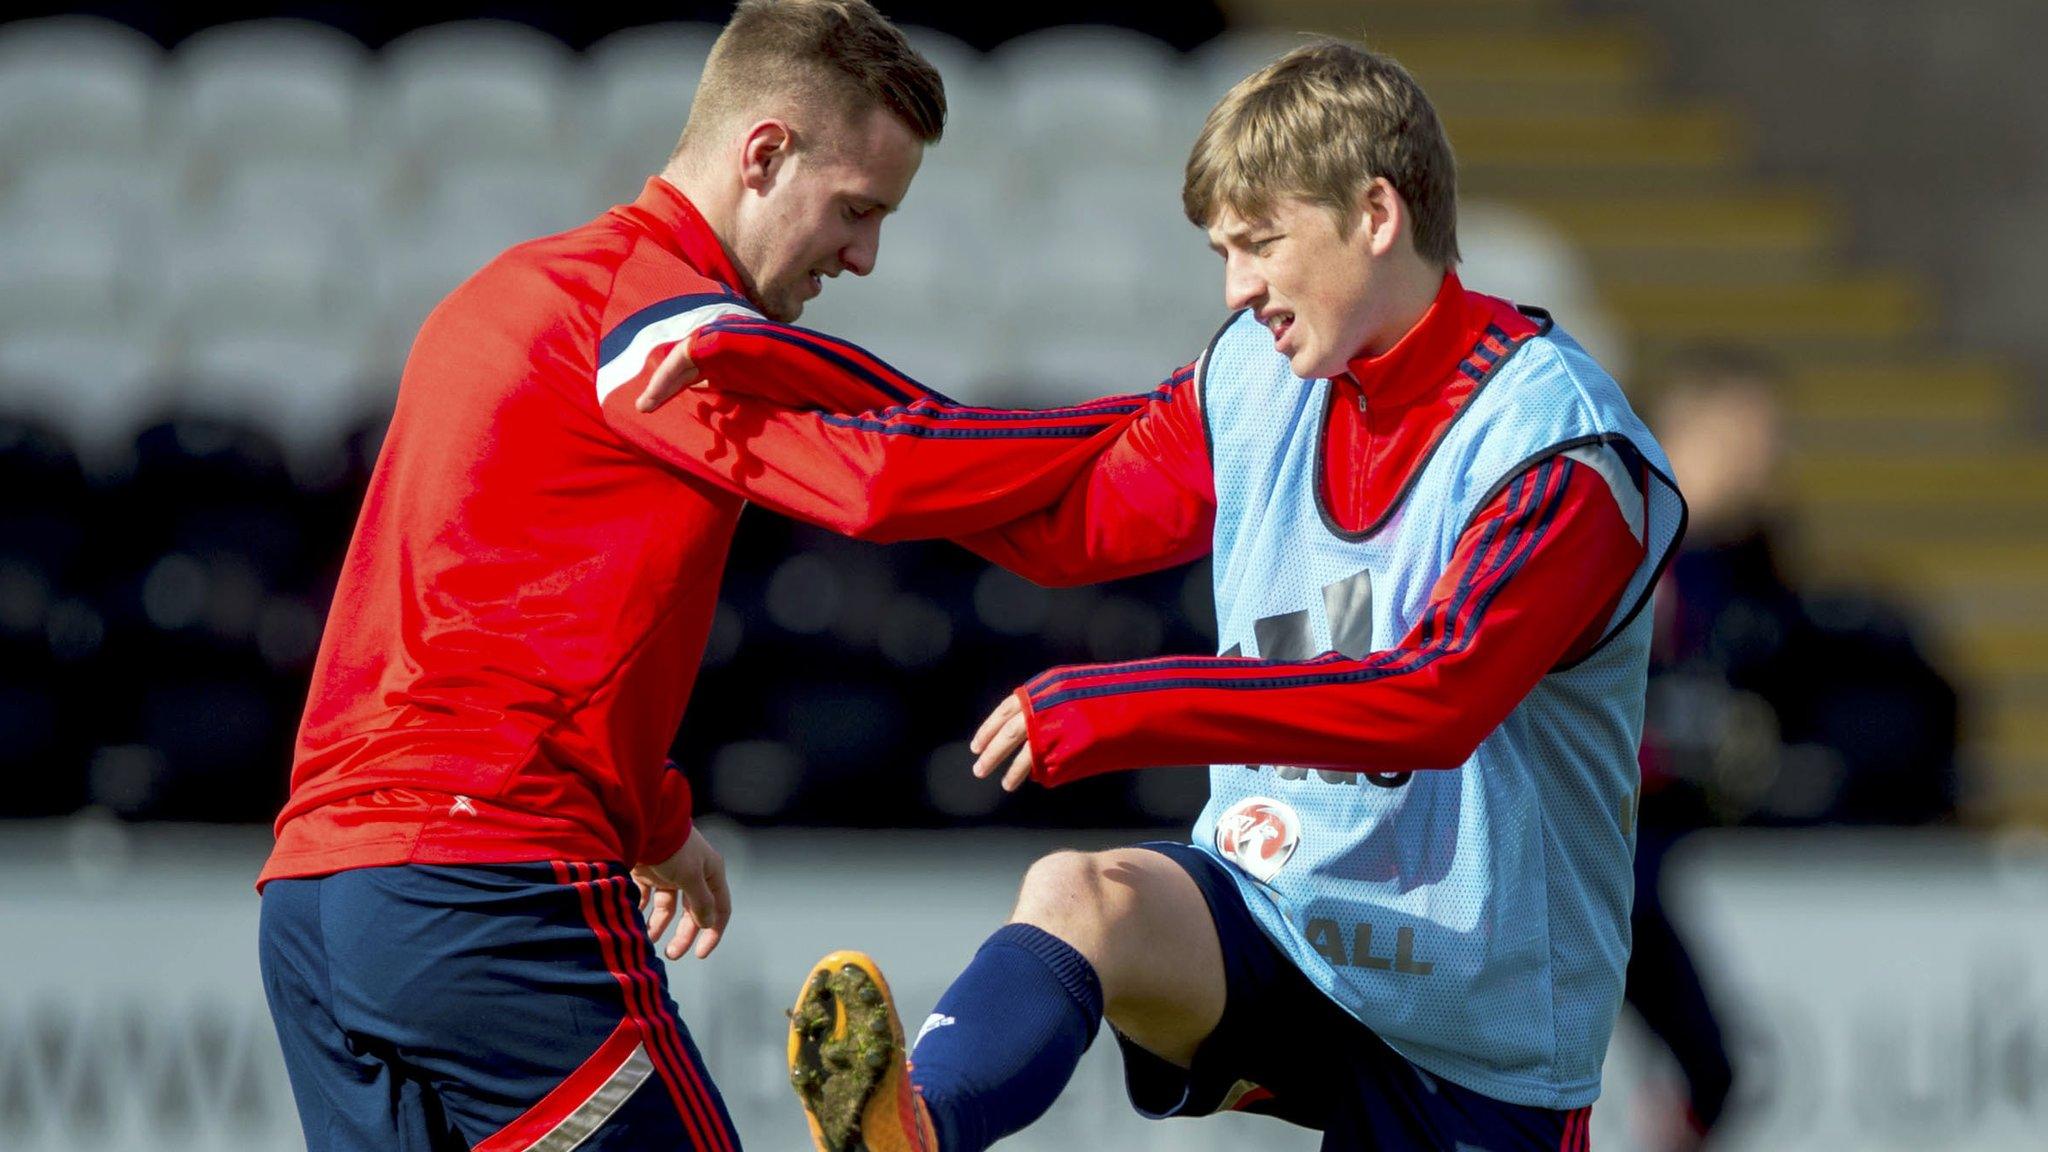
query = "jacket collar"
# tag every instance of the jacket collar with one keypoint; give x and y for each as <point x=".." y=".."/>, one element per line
<point x="1417" y="366"/>
<point x="676" y="225"/>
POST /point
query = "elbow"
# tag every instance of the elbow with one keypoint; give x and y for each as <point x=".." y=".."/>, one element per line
<point x="1455" y="752"/>
<point x="1036" y="565"/>
<point x="874" y="531"/>
<point x="1459" y="740"/>
<point x="875" y="517"/>
<point x="1439" y="747"/>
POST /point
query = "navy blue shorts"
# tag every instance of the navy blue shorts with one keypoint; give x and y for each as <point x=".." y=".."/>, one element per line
<point x="1285" y="1049"/>
<point x="490" y="1008"/>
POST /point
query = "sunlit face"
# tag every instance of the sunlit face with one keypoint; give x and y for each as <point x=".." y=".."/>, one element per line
<point x="814" y="209"/>
<point x="1311" y="287"/>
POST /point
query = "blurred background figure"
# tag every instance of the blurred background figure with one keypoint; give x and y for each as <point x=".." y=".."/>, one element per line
<point x="1769" y="705"/>
<point x="1778" y="705"/>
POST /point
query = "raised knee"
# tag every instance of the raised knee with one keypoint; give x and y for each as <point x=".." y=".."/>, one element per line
<point x="1064" y="890"/>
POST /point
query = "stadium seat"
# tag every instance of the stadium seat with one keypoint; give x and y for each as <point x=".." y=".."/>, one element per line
<point x="978" y="130"/>
<point x="523" y="201"/>
<point x="274" y="268"/>
<point x="74" y="84"/>
<point x="61" y="268"/>
<point x="350" y="194"/>
<point x="268" y="87"/>
<point x="1092" y="357"/>
<point x="104" y="191"/>
<point x="415" y="268"/>
<point x="1121" y="286"/>
<point x="305" y="391"/>
<point x="475" y="89"/>
<point x="1218" y="65"/>
<point x="965" y="70"/>
<point x="1094" y="96"/>
<point x="637" y="96"/>
<point x="82" y="241"/>
<point x="95" y="384"/>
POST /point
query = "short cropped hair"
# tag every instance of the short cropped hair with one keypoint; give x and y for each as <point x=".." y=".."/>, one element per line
<point x="1321" y="123"/>
<point x="839" y="52"/>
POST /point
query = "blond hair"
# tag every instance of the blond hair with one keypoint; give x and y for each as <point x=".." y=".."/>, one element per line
<point x="1321" y="123"/>
<point x="838" y="53"/>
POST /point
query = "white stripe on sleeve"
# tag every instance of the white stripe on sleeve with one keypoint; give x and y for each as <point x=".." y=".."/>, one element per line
<point x="632" y="359"/>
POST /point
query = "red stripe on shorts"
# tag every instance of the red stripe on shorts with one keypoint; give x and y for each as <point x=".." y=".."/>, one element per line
<point x="637" y="1003"/>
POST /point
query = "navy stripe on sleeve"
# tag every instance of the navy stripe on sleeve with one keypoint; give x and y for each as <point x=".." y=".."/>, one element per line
<point x="618" y="338"/>
<point x="1525" y="536"/>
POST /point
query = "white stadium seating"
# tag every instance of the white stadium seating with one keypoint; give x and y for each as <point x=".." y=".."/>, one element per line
<point x="977" y="102"/>
<point x="97" y="384"/>
<point x="638" y="90"/>
<point x="269" y="87"/>
<point x="74" y="84"/>
<point x="307" y="190"/>
<point x="479" y="89"/>
<point x="306" y="390"/>
<point x="1511" y="253"/>
<point x="1093" y="97"/>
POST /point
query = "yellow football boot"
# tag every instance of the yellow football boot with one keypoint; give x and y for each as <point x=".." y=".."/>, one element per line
<point x="849" y="1064"/>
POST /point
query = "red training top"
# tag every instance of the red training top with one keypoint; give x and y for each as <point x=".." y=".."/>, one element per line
<point x="523" y="609"/>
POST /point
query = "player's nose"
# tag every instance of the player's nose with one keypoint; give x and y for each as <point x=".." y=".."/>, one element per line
<point x="1241" y="288"/>
<point x="859" y="257"/>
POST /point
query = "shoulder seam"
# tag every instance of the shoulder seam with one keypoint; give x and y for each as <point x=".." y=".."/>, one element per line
<point x="611" y="289"/>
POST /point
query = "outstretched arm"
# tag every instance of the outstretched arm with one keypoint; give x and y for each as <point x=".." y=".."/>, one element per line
<point x="1533" y="582"/>
<point x="819" y="429"/>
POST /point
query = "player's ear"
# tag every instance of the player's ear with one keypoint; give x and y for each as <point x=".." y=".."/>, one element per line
<point x="763" y="150"/>
<point x="1382" y="217"/>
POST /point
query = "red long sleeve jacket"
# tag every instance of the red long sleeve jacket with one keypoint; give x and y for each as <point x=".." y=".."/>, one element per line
<point x="524" y="605"/>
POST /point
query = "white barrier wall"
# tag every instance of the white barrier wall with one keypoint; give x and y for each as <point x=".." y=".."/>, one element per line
<point x="1883" y="992"/>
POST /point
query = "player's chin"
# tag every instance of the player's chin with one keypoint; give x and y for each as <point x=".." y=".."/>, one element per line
<point x="1310" y="364"/>
<point x="784" y="309"/>
<point x="793" y="294"/>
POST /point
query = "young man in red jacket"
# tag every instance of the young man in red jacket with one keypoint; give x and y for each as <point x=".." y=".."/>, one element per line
<point x="451" y="937"/>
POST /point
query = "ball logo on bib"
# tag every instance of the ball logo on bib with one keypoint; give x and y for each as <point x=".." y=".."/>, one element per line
<point x="1258" y="834"/>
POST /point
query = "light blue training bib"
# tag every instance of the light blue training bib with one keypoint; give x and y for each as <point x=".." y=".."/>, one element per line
<point x="1476" y="918"/>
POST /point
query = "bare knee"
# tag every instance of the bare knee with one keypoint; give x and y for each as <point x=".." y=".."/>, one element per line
<point x="1068" y="895"/>
<point x="1145" y="928"/>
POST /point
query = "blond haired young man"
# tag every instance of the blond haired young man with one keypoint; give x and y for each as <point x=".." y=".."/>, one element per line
<point x="1402" y="918"/>
<point x="451" y="939"/>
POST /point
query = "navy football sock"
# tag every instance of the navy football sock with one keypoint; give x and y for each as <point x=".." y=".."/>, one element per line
<point x="1006" y="1037"/>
